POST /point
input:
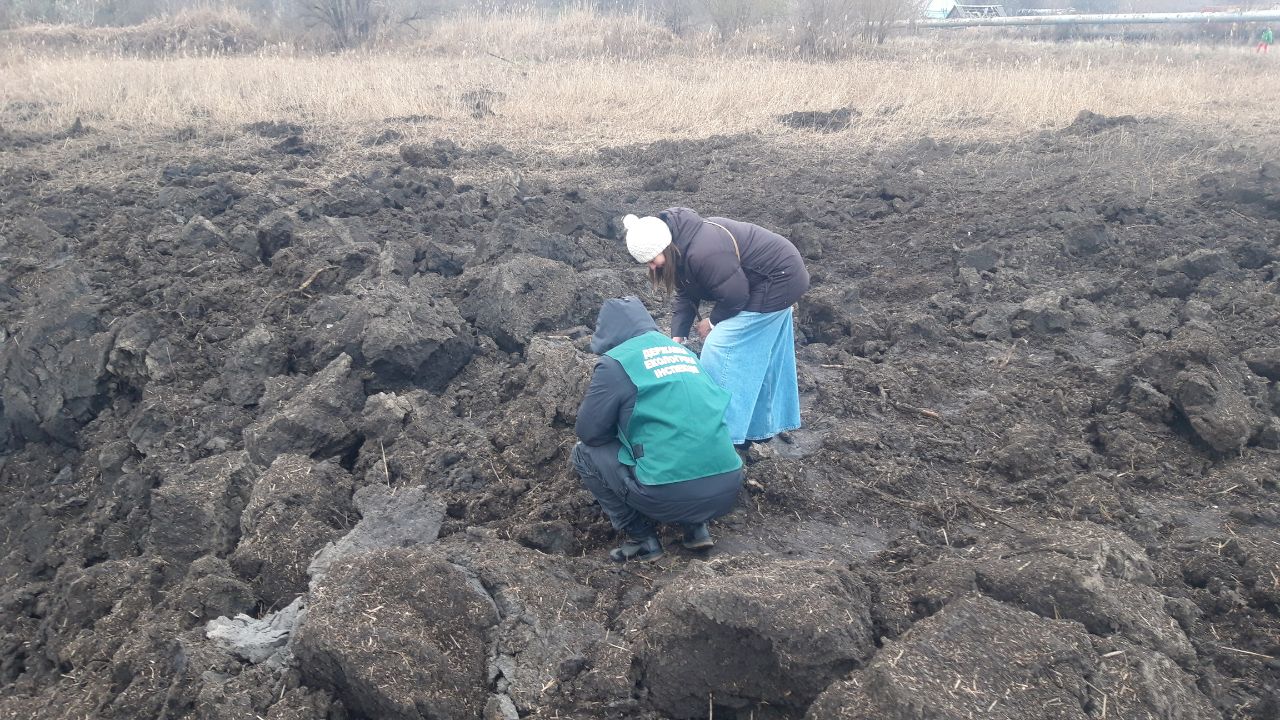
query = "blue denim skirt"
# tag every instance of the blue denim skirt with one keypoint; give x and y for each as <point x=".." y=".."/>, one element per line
<point x="753" y="356"/>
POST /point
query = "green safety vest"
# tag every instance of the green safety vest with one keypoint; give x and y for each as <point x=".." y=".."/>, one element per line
<point x="677" y="430"/>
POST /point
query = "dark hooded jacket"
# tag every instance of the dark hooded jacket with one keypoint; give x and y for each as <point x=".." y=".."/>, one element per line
<point x="769" y="276"/>
<point x="611" y="397"/>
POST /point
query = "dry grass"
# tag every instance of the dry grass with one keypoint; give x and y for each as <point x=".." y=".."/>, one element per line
<point x="538" y="36"/>
<point x="579" y="81"/>
<point x="197" y="31"/>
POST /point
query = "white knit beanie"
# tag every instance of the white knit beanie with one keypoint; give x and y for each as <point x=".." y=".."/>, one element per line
<point x="647" y="237"/>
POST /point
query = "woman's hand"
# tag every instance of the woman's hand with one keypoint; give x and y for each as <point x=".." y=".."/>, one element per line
<point x="704" y="328"/>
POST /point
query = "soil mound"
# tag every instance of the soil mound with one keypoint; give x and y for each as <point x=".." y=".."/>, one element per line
<point x="791" y="628"/>
<point x="418" y="653"/>
<point x="287" y="440"/>
<point x="439" y="154"/>
<point x="819" y="120"/>
<point x="1091" y="123"/>
<point x="295" y="509"/>
<point x="308" y="416"/>
<point x="978" y="657"/>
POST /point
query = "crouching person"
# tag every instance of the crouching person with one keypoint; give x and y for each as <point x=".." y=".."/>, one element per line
<point x="654" y="446"/>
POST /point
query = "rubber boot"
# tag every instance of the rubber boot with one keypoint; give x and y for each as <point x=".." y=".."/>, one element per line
<point x="697" y="537"/>
<point x="640" y="550"/>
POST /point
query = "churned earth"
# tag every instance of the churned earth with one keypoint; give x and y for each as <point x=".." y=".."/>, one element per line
<point x="284" y="433"/>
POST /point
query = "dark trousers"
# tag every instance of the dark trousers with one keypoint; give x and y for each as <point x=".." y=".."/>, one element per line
<point x="635" y="509"/>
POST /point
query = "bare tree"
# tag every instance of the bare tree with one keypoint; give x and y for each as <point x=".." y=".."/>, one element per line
<point x="678" y="16"/>
<point x="79" y="12"/>
<point x="731" y="16"/>
<point x="827" y="26"/>
<point x="876" y="18"/>
<point x="352" y="22"/>
<point x="824" y="27"/>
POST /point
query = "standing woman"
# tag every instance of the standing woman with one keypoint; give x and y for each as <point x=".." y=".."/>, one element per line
<point x="753" y="276"/>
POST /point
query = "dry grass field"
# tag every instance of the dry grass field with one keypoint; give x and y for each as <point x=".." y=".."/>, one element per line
<point x="584" y="80"/>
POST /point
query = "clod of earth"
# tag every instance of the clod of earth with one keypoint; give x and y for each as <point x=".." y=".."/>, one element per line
<point x="824" y="121"/>
<point x="773" y="636"/>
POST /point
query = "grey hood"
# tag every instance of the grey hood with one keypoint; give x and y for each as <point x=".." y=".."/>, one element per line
<point x="620" y="320"/>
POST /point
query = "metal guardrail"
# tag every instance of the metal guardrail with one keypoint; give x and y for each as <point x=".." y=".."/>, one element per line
<point x="1110" y="19"/>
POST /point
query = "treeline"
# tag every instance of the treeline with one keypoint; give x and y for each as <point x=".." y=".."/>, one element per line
<point x="818" y="24"/>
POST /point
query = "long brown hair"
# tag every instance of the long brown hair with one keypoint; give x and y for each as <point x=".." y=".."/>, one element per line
<point x="664" y="278"/>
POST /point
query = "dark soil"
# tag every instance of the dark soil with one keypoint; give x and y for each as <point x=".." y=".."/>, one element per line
<point x="1037" y="478"/>
<point x="823" y="121"/>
